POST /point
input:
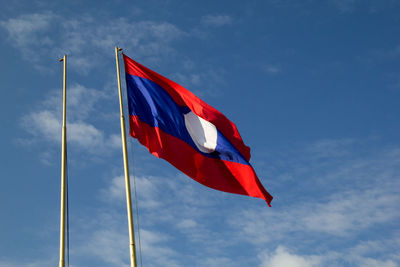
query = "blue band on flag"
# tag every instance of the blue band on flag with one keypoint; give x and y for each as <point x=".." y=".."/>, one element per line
<point x="154" y="106"/>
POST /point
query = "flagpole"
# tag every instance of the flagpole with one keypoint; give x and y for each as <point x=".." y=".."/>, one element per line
<point x="63" y="163"/>
<point x="126" y="168"/>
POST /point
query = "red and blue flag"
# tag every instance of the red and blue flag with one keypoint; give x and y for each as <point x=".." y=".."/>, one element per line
<point x="197" y="139"/>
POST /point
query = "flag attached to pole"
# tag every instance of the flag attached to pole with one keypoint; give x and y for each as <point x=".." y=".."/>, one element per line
<point x="197" y="139"/>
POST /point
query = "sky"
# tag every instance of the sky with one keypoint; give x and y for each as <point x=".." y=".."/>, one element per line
<point x="313" y="87"/>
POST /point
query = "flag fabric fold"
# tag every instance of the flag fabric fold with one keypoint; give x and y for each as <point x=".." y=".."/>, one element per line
<point x="197" y="139"/>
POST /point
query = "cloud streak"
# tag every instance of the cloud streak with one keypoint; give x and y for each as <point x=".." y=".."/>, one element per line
<point x="338" y="229"/>
<point x="44" y="122"/>
<point x="367" y="202"/>
<point x="47" y="35"/>
<point x="216" y="20"/>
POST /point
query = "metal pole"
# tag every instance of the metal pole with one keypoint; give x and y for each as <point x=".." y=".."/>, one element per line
<point x="63" y="169"/>
<point x="126" y="169"/>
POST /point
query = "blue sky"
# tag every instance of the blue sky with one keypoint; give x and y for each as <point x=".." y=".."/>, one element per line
<point x="313" y="87"/>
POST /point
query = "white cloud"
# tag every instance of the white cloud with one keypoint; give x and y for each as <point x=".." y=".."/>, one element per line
<point x="335" y="193"/>
<point x="216" y="20"/>
<point x="363" y="253"/>
<point x="81" y="101"/>
<point x="87" y="41"/>
<point x="166" y="203"/>
<point x="349" y="212"/>
<point x="216" y="262"/>
<point x="89" y="44"/>
<point x="45" y="125"/>
<point x="44" y="122"/>
<point x="147" y="188"/>
<point x="24" y="30"/>
<point x="104" y="235"/>
<point x="343" y="212"/>
<point x="369" y="262"/>
<point x="283" y="258"/>
<point x="115" y="141"/>
<point x="110" y="245"/>
<point x="336" y="230"/>
<point x="85" y="135"/>
<point x="156" y="251"/>
<point x="358" y="195"/>
<point x="173" y="204"/>
<point x="30" y="263"/>
<point x="187" y="224"/>
<point x="116" y="189"/>
<point x="173" y="209"/>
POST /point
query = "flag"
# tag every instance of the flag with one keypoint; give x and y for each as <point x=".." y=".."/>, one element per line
<point x="197" y="139"/>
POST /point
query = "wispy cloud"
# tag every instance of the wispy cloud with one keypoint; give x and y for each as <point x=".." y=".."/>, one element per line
<point x="282" y="257"/>
<point x="360" y="196"/>
<point x="103" y="236"/>
<point x="338" y="229"/>
<point x="47" y="36"/>
<point x="29" y="263"/>
<point x="216" y="20"/>
<point x="28" y="29"/>
<point x="89" y="43"/>
<point x="357" y="193"/>
<point x="348" y="189"/>
<point x="43" y="123"/>
<point x="110" y="245"/>
<point x="171" y="204"/>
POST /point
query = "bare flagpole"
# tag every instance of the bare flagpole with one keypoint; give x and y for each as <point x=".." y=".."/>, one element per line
<point x="126" y="168"/>
<point x="63" y="167"/>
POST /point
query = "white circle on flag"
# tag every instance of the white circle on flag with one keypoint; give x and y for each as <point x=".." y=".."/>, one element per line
<point x="203" y="133"/>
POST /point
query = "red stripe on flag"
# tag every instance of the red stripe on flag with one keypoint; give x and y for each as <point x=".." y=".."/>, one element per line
<point x="218" y="174"/>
